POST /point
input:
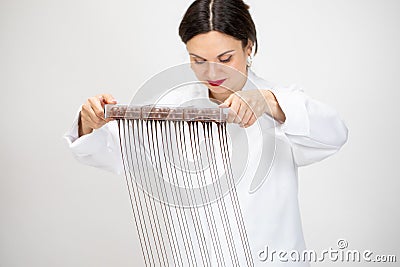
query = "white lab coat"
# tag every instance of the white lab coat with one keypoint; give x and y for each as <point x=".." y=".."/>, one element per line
<point x="268" y="195"/>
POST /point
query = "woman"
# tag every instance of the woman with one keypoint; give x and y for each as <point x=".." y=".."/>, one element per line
<point x="220" y="37"/>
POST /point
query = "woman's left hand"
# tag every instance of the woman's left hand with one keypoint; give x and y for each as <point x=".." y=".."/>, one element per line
<point x="247" y="106"/>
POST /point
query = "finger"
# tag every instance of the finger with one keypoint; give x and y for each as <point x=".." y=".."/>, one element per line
<point x="97" y="108"/>
<point x="231" y="115"/>
<point x="108" y="99"/>
<point x="234" y="110"/>
<point x="242" y="112"/>
<point x="251" y="121"/>
<point x="237" y="118"/>
<point x="246" y="117"/>
<point x="228" y="102"/>
<point x="90" y="118"/>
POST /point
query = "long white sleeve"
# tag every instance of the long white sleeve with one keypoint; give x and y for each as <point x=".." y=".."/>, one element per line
<point x="314" y="129"/>
<point x="99" y="149"/>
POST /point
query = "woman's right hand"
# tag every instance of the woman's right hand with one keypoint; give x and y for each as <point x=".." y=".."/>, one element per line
<point x="92" y="113"/>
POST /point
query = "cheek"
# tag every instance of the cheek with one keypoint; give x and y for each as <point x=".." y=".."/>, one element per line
<point x="237" y="68"/>
<point x="239" y="64"/>
<point x="237" y="74"/>
<point x="198" y="71"/>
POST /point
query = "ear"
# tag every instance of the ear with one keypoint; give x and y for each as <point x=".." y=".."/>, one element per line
<point x="249" y="47"/>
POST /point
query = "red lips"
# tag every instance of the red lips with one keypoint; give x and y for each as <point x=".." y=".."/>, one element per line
<point x="216" y="83"/>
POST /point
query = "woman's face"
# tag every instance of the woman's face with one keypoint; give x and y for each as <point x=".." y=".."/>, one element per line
<point x="219" y="61"/>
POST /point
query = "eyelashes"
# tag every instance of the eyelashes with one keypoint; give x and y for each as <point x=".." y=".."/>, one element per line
<point x="222" y="61"/>
<point x="226" y="60"/>
<point x="198" y="62"/>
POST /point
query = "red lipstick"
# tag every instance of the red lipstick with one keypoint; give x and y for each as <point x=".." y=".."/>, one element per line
<point x="216" y="83"/>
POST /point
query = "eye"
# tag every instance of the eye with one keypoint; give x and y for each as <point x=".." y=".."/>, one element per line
<point x="226" y="60"/>
<point x="198" y="61"/>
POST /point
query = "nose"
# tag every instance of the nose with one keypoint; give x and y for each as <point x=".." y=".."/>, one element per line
<point x="212" y="71"/>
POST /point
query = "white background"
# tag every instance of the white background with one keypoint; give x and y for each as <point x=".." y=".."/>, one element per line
<point x="54" y="54"/>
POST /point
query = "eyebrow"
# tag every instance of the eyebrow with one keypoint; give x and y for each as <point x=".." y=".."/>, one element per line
<point x="217" y="56"/>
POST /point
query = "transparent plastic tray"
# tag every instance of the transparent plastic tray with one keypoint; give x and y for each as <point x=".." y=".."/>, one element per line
<point x="155" y="112"/>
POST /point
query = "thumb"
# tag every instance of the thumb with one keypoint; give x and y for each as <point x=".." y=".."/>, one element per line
<point x="227" y="103"/>
<point x="108" y="99"/>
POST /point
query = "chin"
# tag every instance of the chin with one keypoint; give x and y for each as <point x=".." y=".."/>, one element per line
<point x="219" y="90"/>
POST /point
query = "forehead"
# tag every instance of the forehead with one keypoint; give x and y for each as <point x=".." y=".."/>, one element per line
<point x="212" y="43"/>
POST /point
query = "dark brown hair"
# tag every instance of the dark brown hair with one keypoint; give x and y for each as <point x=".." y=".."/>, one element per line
<point x="230" y="17"/>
